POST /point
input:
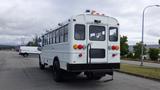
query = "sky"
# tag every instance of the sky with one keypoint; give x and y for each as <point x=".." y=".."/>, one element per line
<point x="21" y="20"/>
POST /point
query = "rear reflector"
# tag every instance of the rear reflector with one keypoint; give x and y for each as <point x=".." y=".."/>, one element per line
<point x="75" y="46"/>
<point x="80" y="55"/>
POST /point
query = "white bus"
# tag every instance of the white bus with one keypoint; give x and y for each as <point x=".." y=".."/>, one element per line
<point x="88" y="43"/>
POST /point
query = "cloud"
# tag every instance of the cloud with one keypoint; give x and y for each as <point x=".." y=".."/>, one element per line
<point x="25" y="18"/>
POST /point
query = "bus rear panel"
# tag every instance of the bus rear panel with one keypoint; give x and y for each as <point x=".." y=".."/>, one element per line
<point x="94" y="44"/>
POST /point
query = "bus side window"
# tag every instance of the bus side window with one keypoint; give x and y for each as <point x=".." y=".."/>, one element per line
<point x="65" y="33"/>
<point x="42" y="40"/>
<point x="57" y="36"/>
<point x="53" y="37"/>
<point x="49" y="38"/>
<point x="45" y="39"/>
<point x="61" y="34"/>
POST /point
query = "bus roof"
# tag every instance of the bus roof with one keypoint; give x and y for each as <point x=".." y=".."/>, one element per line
<point x="86" y="17"/>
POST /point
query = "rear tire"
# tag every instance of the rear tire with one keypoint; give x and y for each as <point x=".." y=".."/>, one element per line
<point x="41" y="66"/>
<point x="25" y="54"/>
<point x="57" y="72"/>
<point x="93" y="76"/>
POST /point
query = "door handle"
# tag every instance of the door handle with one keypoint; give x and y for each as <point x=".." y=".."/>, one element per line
<point x="88" y="53"/>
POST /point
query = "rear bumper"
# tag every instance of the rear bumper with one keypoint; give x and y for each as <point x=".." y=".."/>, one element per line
<point x="93" y="67"/>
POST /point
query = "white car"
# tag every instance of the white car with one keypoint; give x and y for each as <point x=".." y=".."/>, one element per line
<point x="26" y="50"/>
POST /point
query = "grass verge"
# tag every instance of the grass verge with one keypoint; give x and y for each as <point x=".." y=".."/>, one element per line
<point x="143" y="71"/>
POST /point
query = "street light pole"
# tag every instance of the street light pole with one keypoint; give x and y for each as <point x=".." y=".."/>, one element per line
<point x="142" y="46"/>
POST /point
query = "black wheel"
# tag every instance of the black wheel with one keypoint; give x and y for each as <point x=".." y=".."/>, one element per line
<point x="92" y="76"/>
<point x="25" y="55"/>
<point x="57" y="72"/>
<point x="41" y="66"/>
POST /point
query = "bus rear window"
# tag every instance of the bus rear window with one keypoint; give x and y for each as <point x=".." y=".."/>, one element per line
<point x="79" y="32"/>
<point x="97" y="33"/>
<point x="113" y="34"/>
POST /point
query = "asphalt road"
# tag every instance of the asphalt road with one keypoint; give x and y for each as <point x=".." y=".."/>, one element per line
<point x="18" y="73"/>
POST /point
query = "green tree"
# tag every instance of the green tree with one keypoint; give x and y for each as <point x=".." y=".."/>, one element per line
<point x="137" y="50"/>
<point x="124" y="45"/>
<point x="34" y="42"/>
<point x="159" y="41"/>
<point x="153" y="53"/>
<point x="30" y="43"/>
<point x="130" y="55"/>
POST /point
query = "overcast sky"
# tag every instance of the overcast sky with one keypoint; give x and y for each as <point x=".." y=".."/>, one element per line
<point x="23" y="19"/>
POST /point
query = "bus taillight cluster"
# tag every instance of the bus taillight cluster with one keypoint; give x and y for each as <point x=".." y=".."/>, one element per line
<point x="78" y="46"/>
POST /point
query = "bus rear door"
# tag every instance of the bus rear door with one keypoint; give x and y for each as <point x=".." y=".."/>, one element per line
<point x="96" y="38"/>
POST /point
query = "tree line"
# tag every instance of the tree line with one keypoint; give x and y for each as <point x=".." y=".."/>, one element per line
<point x="34" y="42"/>
<point x="153" y="53"/>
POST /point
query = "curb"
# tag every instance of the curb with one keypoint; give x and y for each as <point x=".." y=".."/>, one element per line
<point x="155" y="79"/>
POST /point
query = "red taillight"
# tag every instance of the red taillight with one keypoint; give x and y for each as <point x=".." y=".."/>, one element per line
<point x="115" y="47"/>
<point x="80" y="46"/>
